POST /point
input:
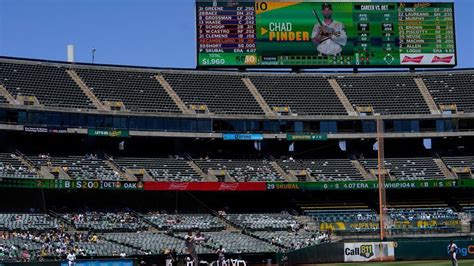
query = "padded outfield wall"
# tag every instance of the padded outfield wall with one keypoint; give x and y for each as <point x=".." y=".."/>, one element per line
<point x="403" y="250"/>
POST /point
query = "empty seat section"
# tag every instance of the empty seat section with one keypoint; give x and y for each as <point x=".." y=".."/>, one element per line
<point x="139" y="91"/>
<point x="51" y="85"/>
<point x="222" y="93"/>
<point x="455" y="88"/>
<point x="387" y="95"/>
<point x="304" y="94"/>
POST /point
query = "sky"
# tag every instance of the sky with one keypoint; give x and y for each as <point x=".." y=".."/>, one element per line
<point x="158" y="33"/>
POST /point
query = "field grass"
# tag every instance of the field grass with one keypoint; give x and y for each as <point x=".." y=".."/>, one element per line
<point x="406" y="263"/>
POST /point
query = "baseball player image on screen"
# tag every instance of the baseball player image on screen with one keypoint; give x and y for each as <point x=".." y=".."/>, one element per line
<point x="329" y="36"/>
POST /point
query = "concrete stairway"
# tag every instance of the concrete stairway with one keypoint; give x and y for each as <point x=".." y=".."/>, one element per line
<point x="174" y="96"/>
<point x="256" y="94"/>
<point x="88" y="92"/>
<point x="198" y="170"/>
<point x="7" y="95"/>
<point x="427" y="96"/>
<point x="342" y="97"/>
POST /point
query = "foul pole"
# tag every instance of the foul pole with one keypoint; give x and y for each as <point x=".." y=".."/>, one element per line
<point x="382" y="173"/>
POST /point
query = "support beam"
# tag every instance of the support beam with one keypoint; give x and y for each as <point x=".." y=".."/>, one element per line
<point x="86" y="90"/>
<point x="342" y="97"/>
<point x="4" y="92"/>
<point x="427" y="96"/>
<point x="174" y="96"/>
<point x="258" y="97"/>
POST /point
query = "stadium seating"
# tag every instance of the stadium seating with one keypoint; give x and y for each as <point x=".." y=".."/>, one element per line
<point x="105" y="221"/>
<point x="303" y="94"/>
<point x="289" y="239"/>
<point x="423" y="214"/>
<point x="161" y="169"/>
<point x="221" y="93"/>
<point x="323" y="169"/>
<point x="235" y="242"/>
<point x="27" y="221"/>
<point x="3" y="100"/>
<point x="242" y="170"/>
<point x="50" y="84"/>
<point x="12" y="167"/>
<point x="138" y="90"/>
<point x="259" y="221"/>
<point x="387" y="95"/>
<point x="460" y="162"/>
<point x="155" y="243"/>
<point x="184" y="222"/>
<point x="452" y="88"/>
<point x="414" y="168"/>
<point x="349" y="215"/>
<point x="79" y="167"/>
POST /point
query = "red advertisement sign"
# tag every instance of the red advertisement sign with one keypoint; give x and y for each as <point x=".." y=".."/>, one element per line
<point x="206" y="186"/>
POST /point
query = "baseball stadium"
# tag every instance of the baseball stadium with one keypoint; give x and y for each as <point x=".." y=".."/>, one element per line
<point x="304" y="133"/>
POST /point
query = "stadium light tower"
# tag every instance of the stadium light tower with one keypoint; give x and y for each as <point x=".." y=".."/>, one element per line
<point x="93" y="54"/>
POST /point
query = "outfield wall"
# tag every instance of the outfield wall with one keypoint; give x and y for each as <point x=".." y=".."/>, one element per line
<point x="403" y="250"/>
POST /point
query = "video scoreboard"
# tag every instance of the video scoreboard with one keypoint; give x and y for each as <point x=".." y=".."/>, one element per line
<point x="302" y="34"/>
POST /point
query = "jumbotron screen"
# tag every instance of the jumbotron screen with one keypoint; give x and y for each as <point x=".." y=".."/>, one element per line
<point x="324" y="34"/>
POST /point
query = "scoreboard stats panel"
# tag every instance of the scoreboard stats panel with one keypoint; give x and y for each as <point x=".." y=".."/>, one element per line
<point x="324" y="34"/>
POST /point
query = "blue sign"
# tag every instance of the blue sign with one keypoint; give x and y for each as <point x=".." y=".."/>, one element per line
<point x="231" y="136"/>
<point x="104" y="262"/>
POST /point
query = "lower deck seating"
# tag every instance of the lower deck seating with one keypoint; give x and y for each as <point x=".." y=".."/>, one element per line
<point x="105" y="221"/>
<point x="260" y="221"/>
<point x="235" y="242"/>
<point x="153" y="243"/>
<point x="184" y="222"/>
<point x="291" y="239"/>
<point x="28" y="221"/>
<point x="342" y="215"/>
<point x="422" y="214"/>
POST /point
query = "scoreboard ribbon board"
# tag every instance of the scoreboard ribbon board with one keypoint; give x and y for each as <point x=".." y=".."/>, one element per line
<point x="233" y="33"/>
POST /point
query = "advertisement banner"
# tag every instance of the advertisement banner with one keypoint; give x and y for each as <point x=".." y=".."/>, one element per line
<point x="107" y="133"/>
<point x="232" y="136"/>
<point x="369" y="251"/>
<point x="206" y="186"/>
<point x="48" y="130"/>
<point x="308" y="137"/>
